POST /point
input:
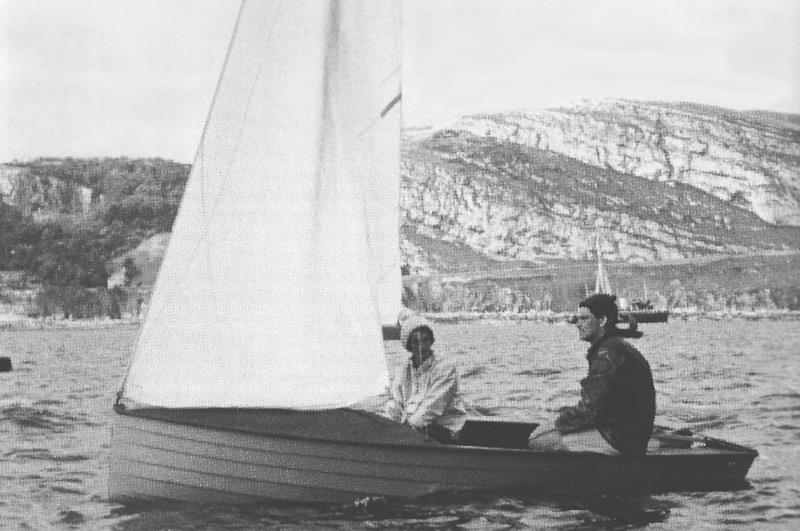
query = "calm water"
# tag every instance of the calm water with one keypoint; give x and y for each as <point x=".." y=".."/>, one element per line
<point x="736" y="380"/>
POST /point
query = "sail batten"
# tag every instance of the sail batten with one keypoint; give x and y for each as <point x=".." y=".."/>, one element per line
<point x="284" y="259"/>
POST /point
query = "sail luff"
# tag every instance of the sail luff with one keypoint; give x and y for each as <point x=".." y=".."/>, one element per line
<point x="268" y="295"/>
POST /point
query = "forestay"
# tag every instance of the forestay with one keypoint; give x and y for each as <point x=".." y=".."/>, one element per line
<point x="283" y="261"/>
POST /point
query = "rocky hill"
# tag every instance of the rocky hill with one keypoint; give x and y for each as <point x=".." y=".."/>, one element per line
<point x="499" y="212"/>
<point x="750" y="159"/>
<point x="513" y="202"/>
<point x="694" y="207"/>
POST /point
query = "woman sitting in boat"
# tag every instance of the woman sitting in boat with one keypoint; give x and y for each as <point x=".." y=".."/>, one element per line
<point x="617" y="396"/>
<point x="424" y="393"/>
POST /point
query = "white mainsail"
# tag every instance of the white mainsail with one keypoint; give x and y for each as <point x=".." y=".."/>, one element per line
<point x="283" y="262"/>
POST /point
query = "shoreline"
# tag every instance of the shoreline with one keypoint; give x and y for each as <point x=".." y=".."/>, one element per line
<point x="562" y="317"/>
<point x="12" y="322"/>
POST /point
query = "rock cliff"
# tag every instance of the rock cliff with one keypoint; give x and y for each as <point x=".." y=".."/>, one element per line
<point x="509" y="200"/>
<point x="750" y="159"/>
<point x="42" y="196"/>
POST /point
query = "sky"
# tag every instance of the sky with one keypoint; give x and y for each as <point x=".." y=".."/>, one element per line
<point x="135" y="78"/>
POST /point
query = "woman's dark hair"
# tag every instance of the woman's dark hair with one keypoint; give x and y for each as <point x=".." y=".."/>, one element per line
<point x="426" y="329"/>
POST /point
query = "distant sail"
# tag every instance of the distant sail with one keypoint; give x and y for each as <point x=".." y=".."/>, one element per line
<point x="284" y="261"/>
<point x="601" y="284"/>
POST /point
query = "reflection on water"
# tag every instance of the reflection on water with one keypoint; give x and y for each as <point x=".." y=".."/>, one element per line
<point x="734" y="380"/>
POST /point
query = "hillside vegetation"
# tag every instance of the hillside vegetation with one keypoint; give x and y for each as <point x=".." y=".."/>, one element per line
<point x="64" y="223"/>
<point x="47" y="231"/>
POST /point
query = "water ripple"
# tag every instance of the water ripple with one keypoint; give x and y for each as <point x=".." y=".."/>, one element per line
<point x="37" y="418"/>
<point x="71" y="518"/>
<point x="709" y="376"/>
<point x="44" y="454"/>
<point x="66" y="490"/>
<point x="473" y="372"/>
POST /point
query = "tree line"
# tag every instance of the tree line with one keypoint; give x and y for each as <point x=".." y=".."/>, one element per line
<point x="132" y="199"/>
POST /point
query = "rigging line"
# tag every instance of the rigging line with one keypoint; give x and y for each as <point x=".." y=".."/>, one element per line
<point x="198" y="159"/>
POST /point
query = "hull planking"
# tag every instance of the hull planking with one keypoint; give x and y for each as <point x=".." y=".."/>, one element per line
<point x="165" y="458"/>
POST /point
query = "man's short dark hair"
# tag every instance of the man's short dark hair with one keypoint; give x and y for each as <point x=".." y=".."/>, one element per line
<point x="602" y="305"/>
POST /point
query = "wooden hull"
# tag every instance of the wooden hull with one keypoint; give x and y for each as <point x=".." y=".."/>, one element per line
<point x="161" y="458"/>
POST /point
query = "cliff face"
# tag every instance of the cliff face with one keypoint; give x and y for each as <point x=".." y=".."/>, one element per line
<point x="41" y="196"/>
<point x="750" y="159"/>
<point x="511" y="201"/>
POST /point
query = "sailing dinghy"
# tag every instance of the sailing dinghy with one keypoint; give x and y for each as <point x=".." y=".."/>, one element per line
<point x="264" y="327"/>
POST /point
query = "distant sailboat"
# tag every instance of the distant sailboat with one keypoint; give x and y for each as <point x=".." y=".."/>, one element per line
<point x="601" y="283"/>
<point x="639" y="311"/>
<point x="265" y="323"/>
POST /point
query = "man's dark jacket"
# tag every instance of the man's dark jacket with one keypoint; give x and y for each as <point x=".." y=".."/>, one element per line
<point x="617" y="397"/>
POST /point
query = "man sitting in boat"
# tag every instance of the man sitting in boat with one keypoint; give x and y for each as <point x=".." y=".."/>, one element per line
<point x="424" y="392"/>
<point x="617" y="396"/>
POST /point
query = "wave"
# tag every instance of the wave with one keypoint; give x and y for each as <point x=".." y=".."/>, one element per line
<point x="66" y="490"/>
<point x="44" y="454"/>
<point x="539" y="372"/>
<point x="71" y="517"/>
<point x="710" y="421"/>
<point x="475" y="371"/>
<point x="792" y="396"/>
<point x="23" y="416"/>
